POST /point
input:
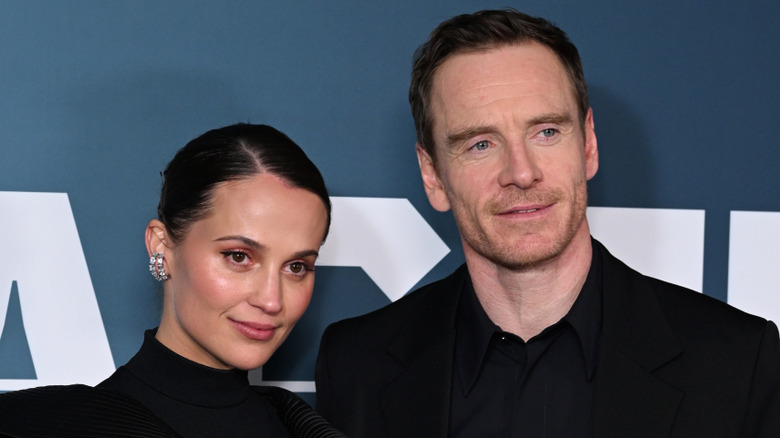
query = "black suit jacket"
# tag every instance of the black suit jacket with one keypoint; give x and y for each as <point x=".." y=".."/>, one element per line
<point x="671" y="363"/>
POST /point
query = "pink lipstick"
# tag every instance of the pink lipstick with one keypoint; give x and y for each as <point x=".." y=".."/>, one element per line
<point x="254" y="331"/>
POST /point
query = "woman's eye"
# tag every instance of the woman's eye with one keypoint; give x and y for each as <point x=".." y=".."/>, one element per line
<point x="236" y="257"/>
<point x="299" y="269"/>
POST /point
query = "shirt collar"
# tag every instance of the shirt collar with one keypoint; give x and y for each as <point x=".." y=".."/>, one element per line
<point x="585" y="314"/>
<point x="474" y="328"/>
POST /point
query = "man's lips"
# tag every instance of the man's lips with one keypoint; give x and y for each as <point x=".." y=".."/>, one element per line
<point x="254" y="330"/>
<point x="525" y="209"/>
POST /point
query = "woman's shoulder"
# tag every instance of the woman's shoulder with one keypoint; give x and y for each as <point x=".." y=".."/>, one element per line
<point x="301" y="420"/>
<point x="76" y="410"/>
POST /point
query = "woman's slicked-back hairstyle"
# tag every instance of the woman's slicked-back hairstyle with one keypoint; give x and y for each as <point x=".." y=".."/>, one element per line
<point x="227" y="154"/>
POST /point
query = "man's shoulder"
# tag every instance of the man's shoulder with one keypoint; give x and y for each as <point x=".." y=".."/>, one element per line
<point x="687" y="308"/>
<point x="436" y="298"/>
<point x="682" y="307"/>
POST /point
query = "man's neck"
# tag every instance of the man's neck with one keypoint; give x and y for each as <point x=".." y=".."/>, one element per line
<point x="527" y="301"/>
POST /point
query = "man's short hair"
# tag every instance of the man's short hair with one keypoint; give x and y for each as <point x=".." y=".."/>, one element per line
<point x="485" y="30"/>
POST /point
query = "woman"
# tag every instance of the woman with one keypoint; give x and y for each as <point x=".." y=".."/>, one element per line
<point x="242" y="215"/>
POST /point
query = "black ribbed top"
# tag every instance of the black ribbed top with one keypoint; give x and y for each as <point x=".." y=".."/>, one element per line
<point x="193" y="399"/>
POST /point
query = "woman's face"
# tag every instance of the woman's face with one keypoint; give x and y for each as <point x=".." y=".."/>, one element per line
<point x="243" y="276"/>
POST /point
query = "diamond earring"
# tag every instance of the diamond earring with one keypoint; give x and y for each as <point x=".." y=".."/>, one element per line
<point x="156" y="267"/>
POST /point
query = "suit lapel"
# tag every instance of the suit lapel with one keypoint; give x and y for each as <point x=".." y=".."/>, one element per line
<point x="636" y="341"/>
<point x="630" y="399"/>
<point x="424" y="349"/>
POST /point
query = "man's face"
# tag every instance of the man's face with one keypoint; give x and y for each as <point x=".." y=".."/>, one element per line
<point x="513" y="157"/>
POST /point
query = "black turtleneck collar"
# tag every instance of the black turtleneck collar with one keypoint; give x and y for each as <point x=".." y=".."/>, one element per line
<point x="174" y="375"/>
<point x="193" y="399"/>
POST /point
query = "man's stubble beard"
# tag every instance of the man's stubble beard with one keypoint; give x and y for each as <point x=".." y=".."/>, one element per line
<point x="522" y="247"/>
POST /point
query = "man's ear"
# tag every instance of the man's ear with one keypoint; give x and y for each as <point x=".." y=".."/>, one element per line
<point x="434" y="188"/>
<point x="591" y="146"/>
<point x="157" y="239"/>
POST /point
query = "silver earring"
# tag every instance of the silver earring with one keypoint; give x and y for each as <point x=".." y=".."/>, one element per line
<point x="156" y="267"/>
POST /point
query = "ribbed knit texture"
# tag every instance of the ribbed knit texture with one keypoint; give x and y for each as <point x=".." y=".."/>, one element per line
<point x="298" y="416"/>
<point x="76" y="411"/>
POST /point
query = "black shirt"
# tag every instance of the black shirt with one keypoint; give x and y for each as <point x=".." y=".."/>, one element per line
<point x="504" y="387"/>
<point x="193" y="399"/>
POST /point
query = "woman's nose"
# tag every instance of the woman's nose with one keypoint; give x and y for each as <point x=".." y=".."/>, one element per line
<point x="267" y="294"/>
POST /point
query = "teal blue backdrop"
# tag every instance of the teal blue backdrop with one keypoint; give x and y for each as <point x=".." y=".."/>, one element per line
<point x="96" y="96"/>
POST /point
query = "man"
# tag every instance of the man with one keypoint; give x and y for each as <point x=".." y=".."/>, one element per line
<point x="542" y="332"/>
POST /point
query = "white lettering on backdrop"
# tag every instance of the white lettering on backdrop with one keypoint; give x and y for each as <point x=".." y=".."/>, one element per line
<point x="754" y="263"/>
<point x="41" y="251"/>
<point x="387" y="238"/>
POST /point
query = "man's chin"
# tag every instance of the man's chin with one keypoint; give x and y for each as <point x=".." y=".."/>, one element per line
<point x="523" y="254"/>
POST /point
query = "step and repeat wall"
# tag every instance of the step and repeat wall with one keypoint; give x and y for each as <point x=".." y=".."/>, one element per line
<point x="97" y="96"/>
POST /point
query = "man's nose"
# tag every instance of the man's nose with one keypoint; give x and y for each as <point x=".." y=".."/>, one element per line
<point x="519" y="167"/>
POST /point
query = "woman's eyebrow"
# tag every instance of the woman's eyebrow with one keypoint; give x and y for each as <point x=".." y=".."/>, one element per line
<point x="243" y="239"/>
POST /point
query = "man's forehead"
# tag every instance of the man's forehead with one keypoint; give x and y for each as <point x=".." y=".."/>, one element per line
<point x="522" y="70"/>
<point x="465" y="57"/>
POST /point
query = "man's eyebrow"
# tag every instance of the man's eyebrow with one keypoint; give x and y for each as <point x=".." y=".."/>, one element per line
<point x="245" y="240"/>
<point x="556" y="118"/>
<point x="456" y="138"/>
<point x="461" y="136"/>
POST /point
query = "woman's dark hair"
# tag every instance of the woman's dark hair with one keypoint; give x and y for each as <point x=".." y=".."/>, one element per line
<point x="227" y="154"/>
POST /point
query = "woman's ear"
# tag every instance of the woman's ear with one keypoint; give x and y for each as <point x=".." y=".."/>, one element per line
<point x="156" y="237"/>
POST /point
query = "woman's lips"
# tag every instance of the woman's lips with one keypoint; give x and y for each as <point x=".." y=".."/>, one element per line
<point x="254" y="331"/>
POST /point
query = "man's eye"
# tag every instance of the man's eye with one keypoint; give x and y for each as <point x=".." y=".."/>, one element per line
<point x="481" y="145"/>
<point x="549" y="132"/>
